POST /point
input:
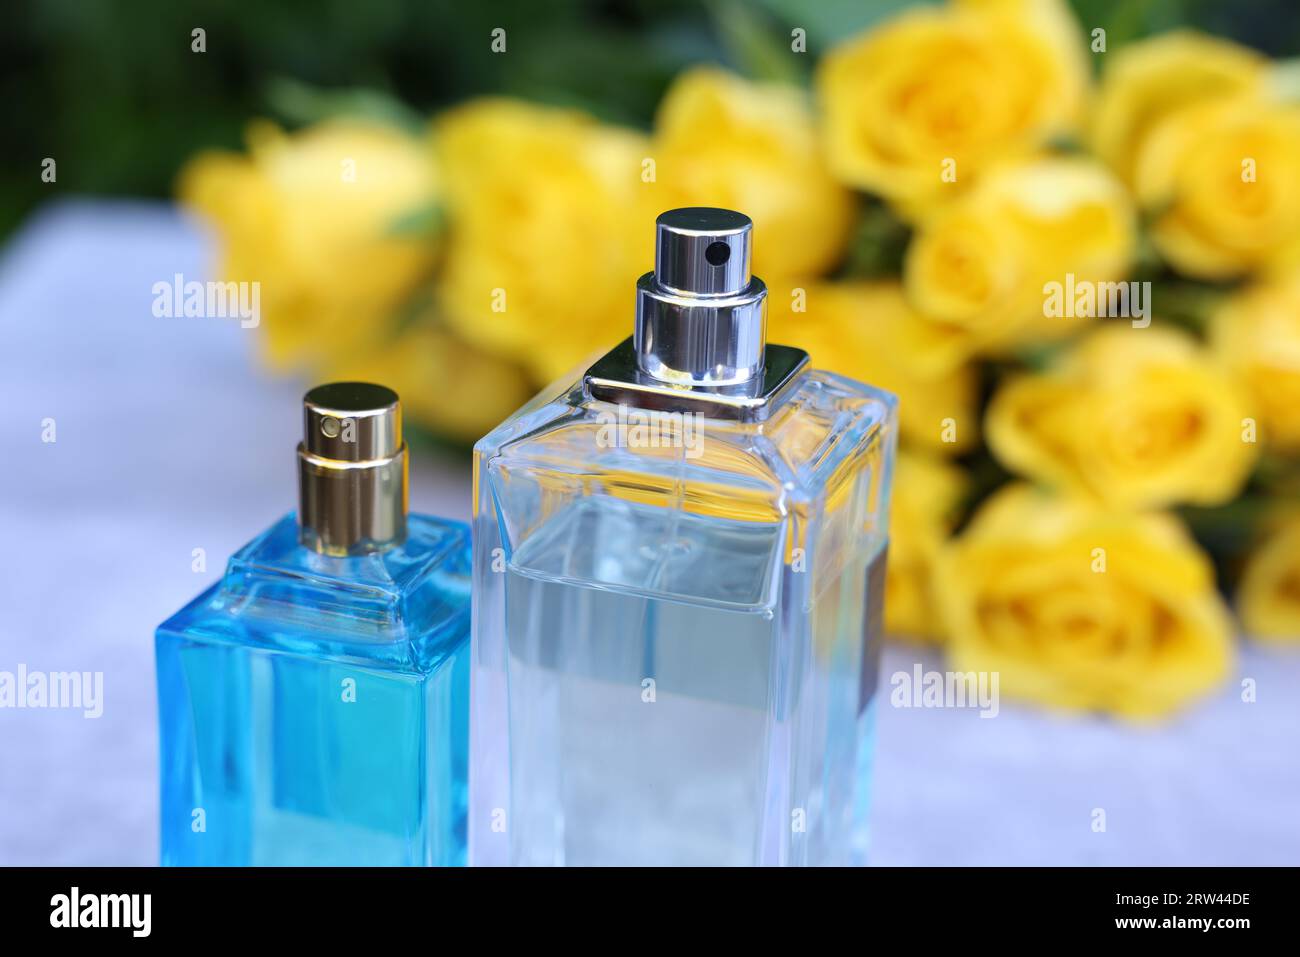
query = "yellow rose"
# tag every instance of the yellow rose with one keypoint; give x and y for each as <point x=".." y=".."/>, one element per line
<point x="1257" y="333"/>
<point x="547" y="231"/>
<point x="311" y="217"/>
<point x="964" y="84"/>
<point x="866" y="331"/>
<point x="1147" y="81"/>
<point x="1135" y="417"/>
<point x="977" y="268"/>
<point x="720" y="140"/>
<point x="1268" y="598"/>
<point x="447" y="385"/>
<point x="1221" y="178"/>
<point x="926" y="493"/>
<point x="1082" y="608"/>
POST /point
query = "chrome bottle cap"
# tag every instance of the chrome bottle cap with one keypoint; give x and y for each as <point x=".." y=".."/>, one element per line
<point x="351" y="469"/>
<point x="700" y="315"/>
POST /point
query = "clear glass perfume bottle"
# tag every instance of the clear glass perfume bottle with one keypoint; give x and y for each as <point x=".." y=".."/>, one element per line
<point x="313" y="704"/>
<point x="678" y="574"/>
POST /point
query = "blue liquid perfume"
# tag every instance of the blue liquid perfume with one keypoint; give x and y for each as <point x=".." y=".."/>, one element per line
<point x="678" y="574"/>
<point x="313" y="704"/>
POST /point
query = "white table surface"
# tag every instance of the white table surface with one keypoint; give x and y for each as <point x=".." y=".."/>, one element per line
<point x="169" y="437"/>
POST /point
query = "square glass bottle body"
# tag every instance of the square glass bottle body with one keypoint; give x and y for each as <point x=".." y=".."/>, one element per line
<point x="313" y="710"/>
<point x="676" y="624"/>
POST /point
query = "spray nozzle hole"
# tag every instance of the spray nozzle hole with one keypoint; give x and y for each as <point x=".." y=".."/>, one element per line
<point x="717" y="253"/>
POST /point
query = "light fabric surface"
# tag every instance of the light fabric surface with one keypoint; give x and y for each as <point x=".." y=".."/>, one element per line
<point x="170" y="438"/>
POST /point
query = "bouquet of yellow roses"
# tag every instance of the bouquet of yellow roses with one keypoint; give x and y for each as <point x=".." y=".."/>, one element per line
<point x="1084" y="290"/>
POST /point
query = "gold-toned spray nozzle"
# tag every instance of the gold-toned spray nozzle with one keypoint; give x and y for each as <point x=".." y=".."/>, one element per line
<point x="351" y="469"/>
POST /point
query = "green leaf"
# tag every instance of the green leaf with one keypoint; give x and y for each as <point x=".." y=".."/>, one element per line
<point x="1041" y="356"/>
<point x="1187" y="303"/>
<point x="756" y="44"/>
<point x="302" y="104"/>
<point x="424" y="222"/>
<point x="420" y="306"/>
<point x="829" y="22"/>
<point x="877" y="246"/>
<point x="1227" y="532"/>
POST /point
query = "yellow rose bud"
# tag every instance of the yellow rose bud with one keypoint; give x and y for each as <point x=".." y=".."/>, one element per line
<point x="867" y="331"/>
<point x="1268" y="598"/>
<point x="311" y="217"/>
<point x="1134" y="417"/>
<point x="546" y="231"/>
<point x="1222" y="179"/>
<point x="926" y="494"/>
<point x="1146" y="82"/>
<point x="917" y="107"/>
<point x="977" y="269"/>
<point x="1257" y="334"/>
<point x="1083" y="608"/>
<point x="721" y="140"/>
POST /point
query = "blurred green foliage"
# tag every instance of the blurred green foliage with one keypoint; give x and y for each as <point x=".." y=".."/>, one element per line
<point x="112" y="91"/>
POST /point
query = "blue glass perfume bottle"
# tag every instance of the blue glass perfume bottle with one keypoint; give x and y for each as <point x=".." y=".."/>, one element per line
<point x="678" y="574"/>
<point x="313" y="704"/>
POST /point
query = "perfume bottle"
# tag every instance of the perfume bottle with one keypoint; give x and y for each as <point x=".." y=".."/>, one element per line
<point x="313" y="704"/>
<point x="678" y="572"/>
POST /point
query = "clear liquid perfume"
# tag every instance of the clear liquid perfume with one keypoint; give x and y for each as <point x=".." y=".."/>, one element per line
<point x="313" y="704"/>
<point x="678" y="575"/>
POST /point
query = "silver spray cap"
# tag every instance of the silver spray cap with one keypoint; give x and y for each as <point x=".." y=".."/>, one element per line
<point x="700" y="316"/>
<point x="351" y="469"/>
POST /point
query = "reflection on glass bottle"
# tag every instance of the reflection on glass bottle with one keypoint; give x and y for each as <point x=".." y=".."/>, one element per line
<point x="313" y="704"/>
<point x="678" y="570"/>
